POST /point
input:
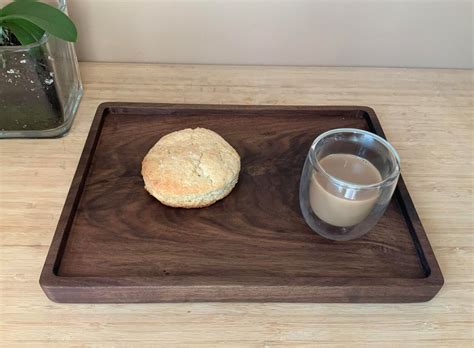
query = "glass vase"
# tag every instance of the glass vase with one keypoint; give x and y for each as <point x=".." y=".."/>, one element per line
<point x="40" y="88"/>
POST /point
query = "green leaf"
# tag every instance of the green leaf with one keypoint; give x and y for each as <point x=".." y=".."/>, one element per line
<point x="15" y="1"/>
<point x="46" y="17"/>
<point x="26" y="32"/>
<point x="21" y="34"/>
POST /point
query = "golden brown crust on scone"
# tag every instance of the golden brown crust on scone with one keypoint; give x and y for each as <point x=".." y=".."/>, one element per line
<point x="191" y="168"/>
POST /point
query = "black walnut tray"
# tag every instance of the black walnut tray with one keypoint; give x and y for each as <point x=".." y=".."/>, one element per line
<point x="115" y="243"/>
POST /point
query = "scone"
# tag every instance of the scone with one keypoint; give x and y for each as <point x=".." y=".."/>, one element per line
<point x="191" y="168"/>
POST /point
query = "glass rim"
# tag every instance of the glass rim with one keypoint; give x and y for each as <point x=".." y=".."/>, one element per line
<point x="347" y="184"/>
<point x="44" y="38"/>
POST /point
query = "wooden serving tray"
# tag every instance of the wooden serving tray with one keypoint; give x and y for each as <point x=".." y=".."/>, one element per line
<point x="116" y="243"/>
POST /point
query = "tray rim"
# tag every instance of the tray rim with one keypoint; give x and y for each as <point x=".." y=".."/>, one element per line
<point x="156" y="289"/>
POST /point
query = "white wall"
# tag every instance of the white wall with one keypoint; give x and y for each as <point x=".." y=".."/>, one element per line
<point x="411" y="33"/>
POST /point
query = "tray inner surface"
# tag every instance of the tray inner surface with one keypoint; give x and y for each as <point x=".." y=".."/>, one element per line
<point x="256" y="234"/>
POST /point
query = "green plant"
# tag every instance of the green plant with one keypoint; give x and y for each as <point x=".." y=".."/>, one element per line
<point x="25" y="22"/>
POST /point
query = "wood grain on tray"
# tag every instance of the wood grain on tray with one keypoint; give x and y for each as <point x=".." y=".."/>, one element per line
<point x="116" y="243"/>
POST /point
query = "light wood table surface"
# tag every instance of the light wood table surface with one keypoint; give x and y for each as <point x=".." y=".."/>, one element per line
<point x="426" y="114"/>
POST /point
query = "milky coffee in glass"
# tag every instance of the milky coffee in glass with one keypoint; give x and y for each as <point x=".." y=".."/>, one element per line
<point x="348" y="207"/>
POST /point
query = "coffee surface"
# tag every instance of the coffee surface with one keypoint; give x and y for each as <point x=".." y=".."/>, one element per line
<point x="335" y="205"/>
<point x="351" y="168"/>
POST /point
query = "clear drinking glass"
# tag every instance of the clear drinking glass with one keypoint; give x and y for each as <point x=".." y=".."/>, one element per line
<point x="335" y="206"/>
<point x="40" y="87"/>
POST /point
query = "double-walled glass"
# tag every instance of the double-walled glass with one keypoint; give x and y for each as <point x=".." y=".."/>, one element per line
<point x="339" y="209"/>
